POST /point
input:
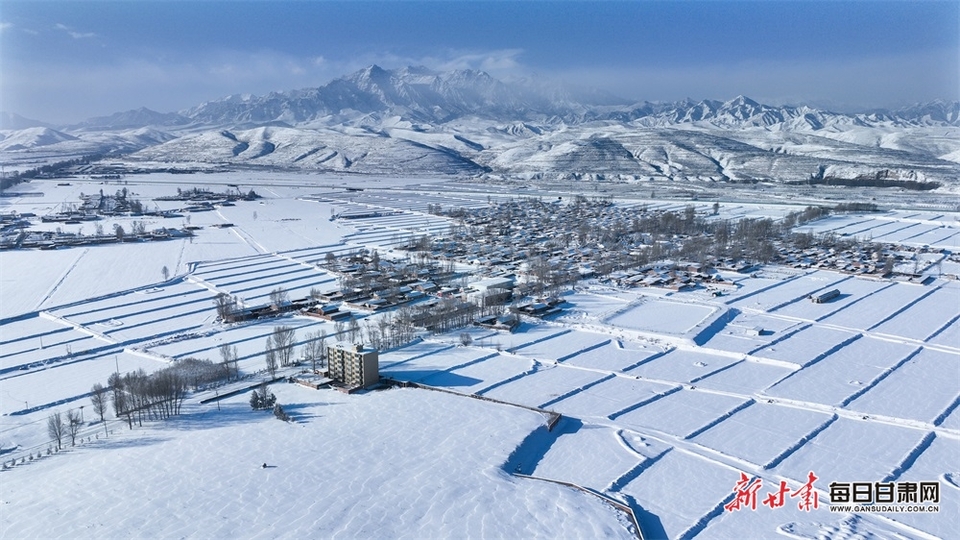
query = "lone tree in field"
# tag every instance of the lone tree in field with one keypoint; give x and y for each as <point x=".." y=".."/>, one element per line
<point x="466" y="339"/>
<point x="166" y="273"/>
<point x="74" y="423"/>
<point x="98" y="398"/>
<point x="56" y="428"/>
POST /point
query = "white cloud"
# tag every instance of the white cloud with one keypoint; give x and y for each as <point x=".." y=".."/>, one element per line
<point x="73" y="33"/>
<point x="5" y="26"/>
<point x="492" y="61"/>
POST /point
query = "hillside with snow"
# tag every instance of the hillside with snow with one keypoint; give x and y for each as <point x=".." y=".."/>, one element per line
<point x="466" y="123"/>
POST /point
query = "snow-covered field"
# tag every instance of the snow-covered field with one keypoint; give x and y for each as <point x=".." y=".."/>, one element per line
<point x="389" y="464"/>
<point x="666" y="398"/>
<point x="937" y="230"/>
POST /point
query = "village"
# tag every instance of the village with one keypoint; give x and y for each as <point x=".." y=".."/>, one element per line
<point x="16" y="232"/>
<point x="507" y="261"/>
<point x="551" y="245"/>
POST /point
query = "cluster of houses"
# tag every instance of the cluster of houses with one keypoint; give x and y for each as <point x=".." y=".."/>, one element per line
<point x="559" y="243"/>
<point x="860" y="259"/>
<point x="47" y="240"/>
<point x="371" y="284"/>
<point x="204" y="195"/>
<point x="674" y="276"/>
<point x="14" y="233"/>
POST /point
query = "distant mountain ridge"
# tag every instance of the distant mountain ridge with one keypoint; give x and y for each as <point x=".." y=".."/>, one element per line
<point x="417" y="121"/>
<point x="413" y="93"/>
<point x="137" y="118"/>
<point x="14" y="121"/>
<point x="418" y="94"/>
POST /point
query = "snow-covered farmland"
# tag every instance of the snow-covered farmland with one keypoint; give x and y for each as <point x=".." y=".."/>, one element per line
<point x="398" y="464"/>
<point x="662" y="317"/>
<point x="682" y="365"/>
<point x="840" y="376"/>
<point x="680" y="513"/>
<point x="935" y="230"/>
<point x="763" y="434"/>
<point x="666" y="397"/>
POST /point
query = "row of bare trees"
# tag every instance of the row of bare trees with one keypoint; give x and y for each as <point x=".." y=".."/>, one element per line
<point x="138" y="396"/>
<point x="59" y="427"/>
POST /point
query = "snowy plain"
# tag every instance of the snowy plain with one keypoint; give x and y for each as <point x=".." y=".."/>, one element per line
<point x="665" y="396"/>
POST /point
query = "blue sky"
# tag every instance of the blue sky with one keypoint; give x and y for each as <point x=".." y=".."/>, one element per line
<point x="66" y="61"/>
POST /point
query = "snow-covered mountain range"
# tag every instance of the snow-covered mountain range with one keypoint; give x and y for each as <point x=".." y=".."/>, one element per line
<point x="465" y="122"/>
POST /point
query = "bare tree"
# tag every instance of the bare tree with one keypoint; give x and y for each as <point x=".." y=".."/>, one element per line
<point x="313" y="350"/>
<point x="226" y="306"/>
<point x="230" y="357"/>
<point x="56" y="428"/>
<point x="270" y="356"/>
<point x="119" y="397"/>
<point x="282" y="342"/>
<point x="74" y="423"/>
<point x="888" y="266"/>
<point x="166" y="273"/>
<point x="354" y="330"/>
<point x="279" y="297"/>
<point x="466" y="339"/>
<point x="98" y="398"/>
<point x="118" y="231"/>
